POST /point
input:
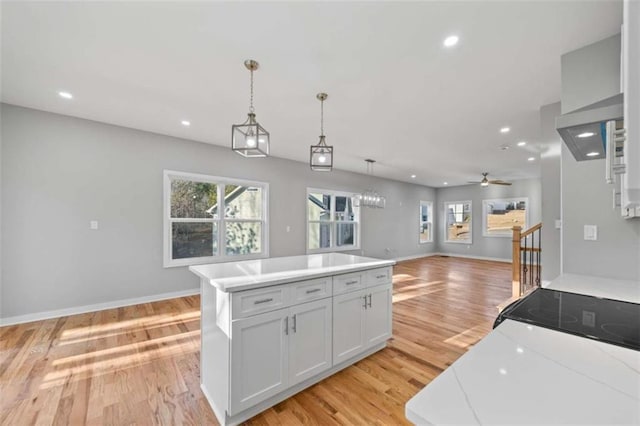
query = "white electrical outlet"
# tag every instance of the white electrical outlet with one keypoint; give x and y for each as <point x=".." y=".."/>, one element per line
<point x="591" y="232"/>
<point x="558" y="224"/>
<point x="288" y="228"/>
<point x="93" y="224"/>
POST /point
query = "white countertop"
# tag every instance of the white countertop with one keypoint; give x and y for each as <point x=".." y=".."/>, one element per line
<point x="523" y="374"/>
<point x="598" y="287"/>
<point x="248" y="274"/>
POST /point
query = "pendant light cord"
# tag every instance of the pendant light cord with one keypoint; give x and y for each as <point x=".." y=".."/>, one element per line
<point x="251" y="109"/>
<point x="322" y="118"/>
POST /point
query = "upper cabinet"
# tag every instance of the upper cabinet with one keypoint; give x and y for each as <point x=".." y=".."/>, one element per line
<point x="630" y="184"/>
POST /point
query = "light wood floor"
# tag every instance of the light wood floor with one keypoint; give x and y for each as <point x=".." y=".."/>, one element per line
<point x="140" y="364"/>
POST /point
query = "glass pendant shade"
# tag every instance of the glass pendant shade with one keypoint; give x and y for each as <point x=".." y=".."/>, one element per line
<point x="250" y="139"/>
<point x="321" y="156"/>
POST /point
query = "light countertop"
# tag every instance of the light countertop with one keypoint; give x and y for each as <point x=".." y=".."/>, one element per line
<point x="249" y="274"/>
<point x="521" y="374"/>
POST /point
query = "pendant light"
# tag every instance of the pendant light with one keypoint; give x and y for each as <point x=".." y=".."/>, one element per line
<point x="321" y="155"/>
<point x="370" y="198"/>
<point x="250" y="139"/>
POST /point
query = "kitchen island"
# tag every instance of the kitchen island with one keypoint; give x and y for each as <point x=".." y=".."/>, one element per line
<point x="273" y="327"/>
<point x="526" y="374"/>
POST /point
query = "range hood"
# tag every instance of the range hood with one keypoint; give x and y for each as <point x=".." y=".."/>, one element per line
<point x="583" y="130"/>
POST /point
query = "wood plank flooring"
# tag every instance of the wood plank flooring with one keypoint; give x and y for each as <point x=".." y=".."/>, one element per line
<point x="140" y="364"/>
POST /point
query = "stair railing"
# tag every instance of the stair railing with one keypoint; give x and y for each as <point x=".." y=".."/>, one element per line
<point x="526" y="259"/>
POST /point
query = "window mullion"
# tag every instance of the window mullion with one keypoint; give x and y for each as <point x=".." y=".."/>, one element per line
<point x="222" y="225"/>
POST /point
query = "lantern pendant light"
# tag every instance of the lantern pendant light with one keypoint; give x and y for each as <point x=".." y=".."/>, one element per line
<point x="250" y="139"/>
<point x="321" y="155"/>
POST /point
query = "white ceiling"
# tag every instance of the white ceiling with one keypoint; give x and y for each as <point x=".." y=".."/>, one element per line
<point x="395" y="93"/>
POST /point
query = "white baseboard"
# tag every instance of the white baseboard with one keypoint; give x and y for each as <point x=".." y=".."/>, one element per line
<point x="415" y="256"/>
<point x="38" y="316"/>
<point x="467" y="256"/>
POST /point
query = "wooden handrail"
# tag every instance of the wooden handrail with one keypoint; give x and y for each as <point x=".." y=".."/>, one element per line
<point x="515" y="256"/>
<point x="517" y="249"/>
<point x="530" y="230"/>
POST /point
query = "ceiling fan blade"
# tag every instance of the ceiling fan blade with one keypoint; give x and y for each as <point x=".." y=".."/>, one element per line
<point x="499" y="182"/>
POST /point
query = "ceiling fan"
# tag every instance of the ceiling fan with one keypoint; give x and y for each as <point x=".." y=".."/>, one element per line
<point x="486" y="182"/>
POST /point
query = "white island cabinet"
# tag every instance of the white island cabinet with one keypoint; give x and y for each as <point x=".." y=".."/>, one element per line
<point x="273" y="327"/>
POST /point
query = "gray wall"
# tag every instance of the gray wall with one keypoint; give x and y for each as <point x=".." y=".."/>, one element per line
<point x="550" y="180"/>
<point x="490" y="247"/>
<point x="59" y="172"/>
<point x="587" y="200"/>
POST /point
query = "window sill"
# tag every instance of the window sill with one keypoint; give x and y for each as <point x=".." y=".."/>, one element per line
<point x="215" y="259"/>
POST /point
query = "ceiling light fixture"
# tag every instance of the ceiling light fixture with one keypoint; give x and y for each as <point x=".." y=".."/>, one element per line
<point x="186" y="123"/>
<point x="522" y="143"/>
<point x="445" y="183"/>
<point x="370" y="197"/>
<point x="65" y="95"/>
<point x="586" y="135"/>
<point x="321" y="155"/>
<point x="593" y="154"/>
<point x="505" y="130"/>
<point x="531" y="159"/>
<point x="413" y="176"/>
<point x="451" y="41"/>
<point x="250" y="139"/>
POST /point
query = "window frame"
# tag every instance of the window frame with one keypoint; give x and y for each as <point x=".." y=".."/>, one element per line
<point x="508" y="234"/>
<point x="446" y="221"/>
<point x="429" y="205"/>
<point x="221" y="256"/>
<point x="357" y="224"/>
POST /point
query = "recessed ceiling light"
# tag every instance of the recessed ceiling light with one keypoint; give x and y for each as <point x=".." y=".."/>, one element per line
<point x="413" y="176"/>
<point x="522" y="143"/>
<point x="65" y="95"/>
<point x="451" y="41"/>
<point x="186" y="123"/>
<point x="505" y="130"/>
<point x="445" y="183"/>
<point x="531" y="159"/>
<point x="586" y="135"/>
<point x="593" y="154"/>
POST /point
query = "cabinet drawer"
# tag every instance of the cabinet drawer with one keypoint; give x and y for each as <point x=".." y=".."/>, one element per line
<point x="379" y="276"/>
<point x="251" y="302"/>
<point x="347" y="282"/>
<point x="311" y="290"/>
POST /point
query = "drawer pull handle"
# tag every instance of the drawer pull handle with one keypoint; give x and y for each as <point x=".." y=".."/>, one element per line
<point x="381" y="276"/>
<point x="257" y="302"/>
<point x="351" y="282"/>
<point x="315" y="290"/>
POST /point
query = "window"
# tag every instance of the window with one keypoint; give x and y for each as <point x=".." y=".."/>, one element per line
<point x="211" y="219"/>
<point x="458" y="221"/>
<point x="426" y="222"/>
<point x="499" y="216"/>
<point x="333" y="223"/>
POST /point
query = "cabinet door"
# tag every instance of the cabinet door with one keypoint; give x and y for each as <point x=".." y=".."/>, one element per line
<point x="309" y="340"/>
<point x="259" y="359"/>
<point x="348" y="325"/>
<point x="378" y="314"/>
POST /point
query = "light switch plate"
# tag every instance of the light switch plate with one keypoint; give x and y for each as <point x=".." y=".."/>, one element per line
<point x="590" y="232"/>
<point x="558" y="224"/>
<point x="93" y="224"/>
